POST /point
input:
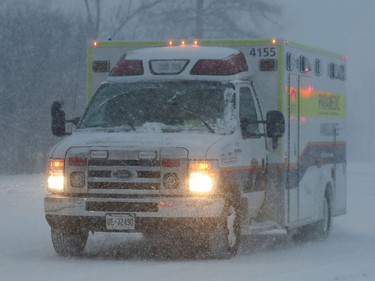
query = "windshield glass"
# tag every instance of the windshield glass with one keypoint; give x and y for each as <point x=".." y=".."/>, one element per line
<point x="163" y="106"/>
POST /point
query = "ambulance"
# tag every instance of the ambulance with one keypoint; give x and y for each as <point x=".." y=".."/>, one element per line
<point x="205" y="141"/>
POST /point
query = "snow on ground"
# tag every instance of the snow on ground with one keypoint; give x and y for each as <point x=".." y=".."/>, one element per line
<point x="26" y="251"/>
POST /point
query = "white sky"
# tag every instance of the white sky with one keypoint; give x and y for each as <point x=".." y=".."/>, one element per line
<point x="346" y="27"/>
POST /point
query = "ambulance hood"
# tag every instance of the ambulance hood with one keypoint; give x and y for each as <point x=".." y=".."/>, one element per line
<point x="199" y="145"/>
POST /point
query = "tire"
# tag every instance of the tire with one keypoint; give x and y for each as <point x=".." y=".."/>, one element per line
<point x="323" y="227"/>
<point x="318" y="231"/>
<point x="68" y="244"/>
<point x="223" y="242"/>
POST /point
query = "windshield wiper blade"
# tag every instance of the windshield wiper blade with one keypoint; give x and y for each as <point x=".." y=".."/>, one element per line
<point x="172" y="102"/>
<point x="127" y="118"/>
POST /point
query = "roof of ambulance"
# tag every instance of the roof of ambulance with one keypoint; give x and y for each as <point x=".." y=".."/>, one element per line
<point x="181" y="52"/>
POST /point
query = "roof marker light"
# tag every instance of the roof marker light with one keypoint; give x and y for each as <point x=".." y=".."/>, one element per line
<point x="183" y="43"/>
<point x="95" y="43"/>
<point x="273" y="41"/>
<point x="170" y="43"/>
<point x="195" y="43"/>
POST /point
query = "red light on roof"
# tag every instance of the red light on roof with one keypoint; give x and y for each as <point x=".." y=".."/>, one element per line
<point x="127" y="68"/>
<point x="345" y="57"/>
<point x="228" y="66"/>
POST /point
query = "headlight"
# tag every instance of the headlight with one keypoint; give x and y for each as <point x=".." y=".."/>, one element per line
<point x="200" y="182"/>
<point x="56" y="175"/>
<point x="202" y="176"/>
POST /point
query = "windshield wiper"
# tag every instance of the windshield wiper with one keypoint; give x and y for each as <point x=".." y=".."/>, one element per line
<point x="172" y="102"/>
<point x="127" y="116"/>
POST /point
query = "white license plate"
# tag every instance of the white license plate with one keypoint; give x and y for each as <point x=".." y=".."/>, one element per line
<point x="120" y="221"/>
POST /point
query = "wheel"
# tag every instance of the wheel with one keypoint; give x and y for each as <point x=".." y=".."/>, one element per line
<point x="68" y="244"/>
<point x="323" y="227"/>
<point x="318" y="231"/>
<point x="224" y="241"/>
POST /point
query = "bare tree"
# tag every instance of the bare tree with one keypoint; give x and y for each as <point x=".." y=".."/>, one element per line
<point x="207" y="19"/>
<point x="120" y="16"/>
<point x="93" y="23"/>
<point x="156" y="19"/>
<point x="40" y="47"/>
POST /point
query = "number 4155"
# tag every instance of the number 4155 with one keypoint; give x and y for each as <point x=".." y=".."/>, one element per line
<point x="263" y="52"/>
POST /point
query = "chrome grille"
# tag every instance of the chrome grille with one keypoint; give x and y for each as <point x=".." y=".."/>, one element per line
<point x="124" y="174"/>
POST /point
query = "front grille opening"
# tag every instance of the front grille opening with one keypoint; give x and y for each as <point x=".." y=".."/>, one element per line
<point x="123" y="185"/>
<point x="140" y="174"/>
<point x="121" y="207"/>
<point x="131" y="163"/>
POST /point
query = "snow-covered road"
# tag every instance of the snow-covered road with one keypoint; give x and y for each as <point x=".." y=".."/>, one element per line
<point x="26" y="251"/>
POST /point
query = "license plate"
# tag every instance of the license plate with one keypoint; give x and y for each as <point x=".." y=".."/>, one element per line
<point x="120" y="221"/>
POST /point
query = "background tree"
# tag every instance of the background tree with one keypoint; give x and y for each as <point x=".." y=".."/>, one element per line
<point x="204" y="19"/>
<point x="39" y="51"/>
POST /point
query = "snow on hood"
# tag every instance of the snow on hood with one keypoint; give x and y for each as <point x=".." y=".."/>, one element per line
<point x="198" y="144"/>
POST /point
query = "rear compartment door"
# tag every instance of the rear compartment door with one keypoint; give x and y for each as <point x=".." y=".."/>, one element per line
<point x="293" y="124"/>
<point x="301" y="177"/>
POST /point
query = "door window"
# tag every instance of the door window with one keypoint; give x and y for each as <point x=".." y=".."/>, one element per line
<point x="248" y="114"/>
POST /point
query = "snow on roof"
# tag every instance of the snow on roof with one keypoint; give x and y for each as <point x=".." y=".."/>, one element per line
<point x="181" y="52"/>
<point x="190" y="53"/>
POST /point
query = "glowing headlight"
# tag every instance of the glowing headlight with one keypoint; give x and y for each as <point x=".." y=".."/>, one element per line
<point x="56" y="183"/>
<point x="203" y="176"/>
<point x="56" y="175"/>
<point x="200" y="182"/>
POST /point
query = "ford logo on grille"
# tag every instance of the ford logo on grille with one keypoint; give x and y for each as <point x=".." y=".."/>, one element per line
<point x="124" y="174"/>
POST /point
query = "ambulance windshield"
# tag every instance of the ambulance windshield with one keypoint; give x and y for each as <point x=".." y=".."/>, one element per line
<point x="163" y="106"/>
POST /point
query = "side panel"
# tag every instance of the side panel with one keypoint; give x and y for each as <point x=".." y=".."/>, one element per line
<point x="309" y="173"/>
<point x="315" y="99"/>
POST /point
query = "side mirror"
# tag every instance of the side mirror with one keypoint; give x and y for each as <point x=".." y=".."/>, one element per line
<point x="58" y="119"/>
<point x="275" y="126"/>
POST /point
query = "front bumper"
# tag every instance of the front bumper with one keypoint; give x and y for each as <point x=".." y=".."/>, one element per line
<point x="150" y="213"/>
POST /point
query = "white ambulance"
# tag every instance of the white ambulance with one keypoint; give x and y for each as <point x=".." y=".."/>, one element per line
<point x="211" y="141"/>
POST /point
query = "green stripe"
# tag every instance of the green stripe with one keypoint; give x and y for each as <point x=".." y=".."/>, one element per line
<point x="312" y="49"/>
<point x="280" y="77"/>
<point x="320" y="104"/>
<point x="234" y="42"/>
